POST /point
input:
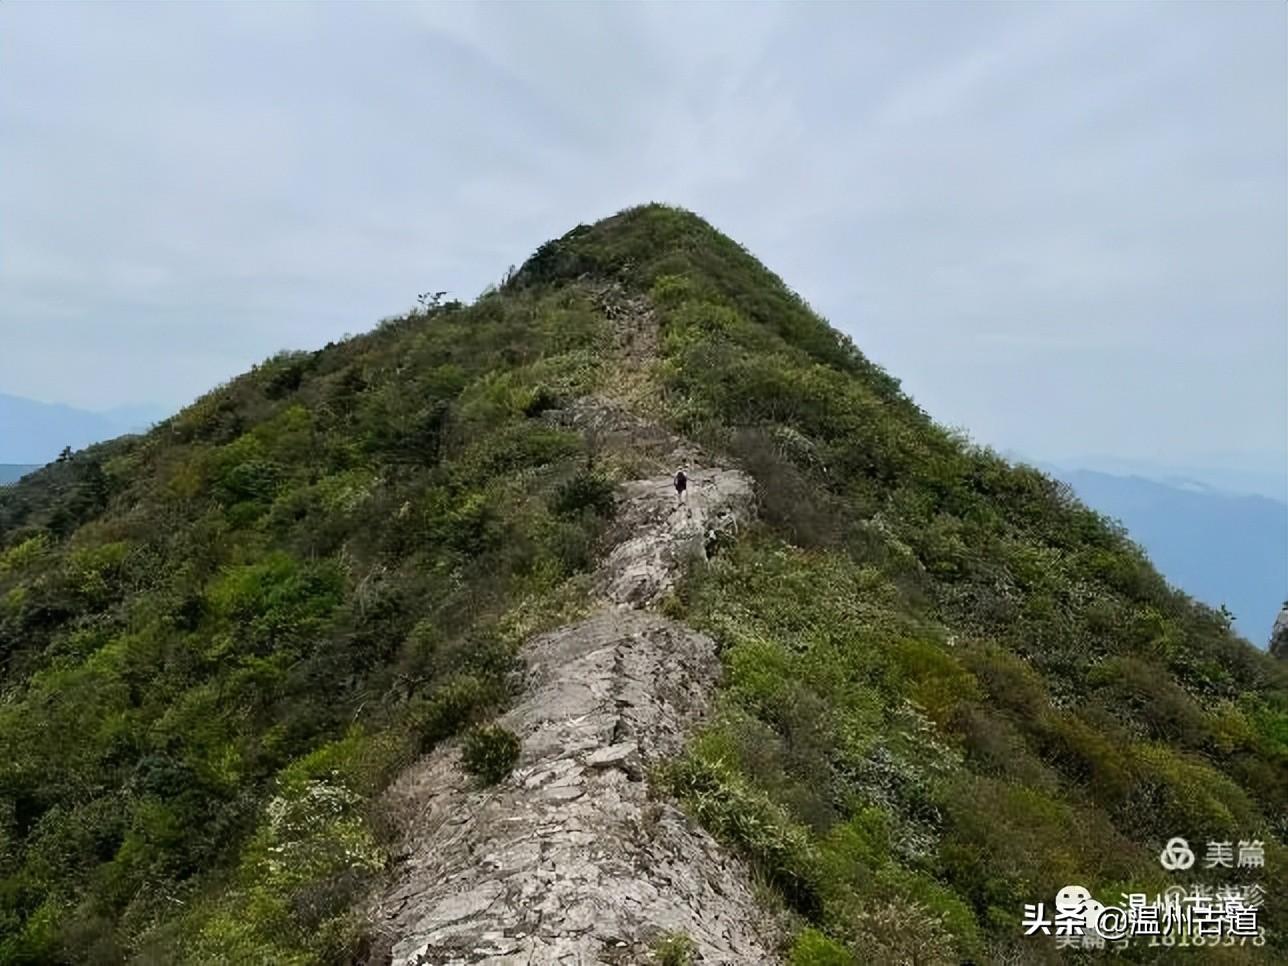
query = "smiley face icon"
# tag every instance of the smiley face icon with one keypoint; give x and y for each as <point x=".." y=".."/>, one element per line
<point x="1074" y="902"/>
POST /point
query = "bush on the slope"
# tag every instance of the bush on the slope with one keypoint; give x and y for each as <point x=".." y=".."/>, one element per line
<point x="489" y="753"/>
<point x="587" y="491"/>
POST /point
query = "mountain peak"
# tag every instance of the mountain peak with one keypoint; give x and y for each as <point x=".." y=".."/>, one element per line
<point x="373" y="652"/>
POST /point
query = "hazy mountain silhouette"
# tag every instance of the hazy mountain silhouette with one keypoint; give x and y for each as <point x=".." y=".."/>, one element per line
<point x="1220" y="547"/>
<point x="10" y="472"/>
<point x="33" y="432"/>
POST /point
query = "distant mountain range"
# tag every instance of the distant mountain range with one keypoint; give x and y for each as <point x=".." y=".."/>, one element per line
<point x="1263" y="474"/>
<point x="34" y="432"/>
<point x="11" y="472"/>
<point x="1217" y="546"/>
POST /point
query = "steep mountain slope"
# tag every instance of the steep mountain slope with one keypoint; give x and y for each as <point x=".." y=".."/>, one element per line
<point x="236" y="652"/>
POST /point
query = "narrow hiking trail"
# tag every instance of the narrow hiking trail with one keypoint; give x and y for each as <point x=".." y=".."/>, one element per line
<point x="572" y="859"/>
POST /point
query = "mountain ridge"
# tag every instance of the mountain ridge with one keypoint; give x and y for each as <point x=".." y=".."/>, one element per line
<point x="606" y="699"/>
<point x="937" y="669"/>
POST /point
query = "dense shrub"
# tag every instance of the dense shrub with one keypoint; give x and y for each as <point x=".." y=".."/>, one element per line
<point x="674" y="949"/>
<point x="489" y="753"/>
<point x="814" y="948"/>
<point x="187" y="616"/>
<point x="587" y="491"/>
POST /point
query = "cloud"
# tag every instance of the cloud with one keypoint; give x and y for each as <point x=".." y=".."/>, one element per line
<point x="1062" y="226"/>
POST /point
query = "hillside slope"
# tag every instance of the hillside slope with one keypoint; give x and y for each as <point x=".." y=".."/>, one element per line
<point x="233" y="647"/>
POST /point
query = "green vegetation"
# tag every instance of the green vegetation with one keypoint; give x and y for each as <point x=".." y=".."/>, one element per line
<point x="221" y="640"/>
<point x="674" y="949"/>
<point x="951" y="689"/>
<point x="490" y="752"/>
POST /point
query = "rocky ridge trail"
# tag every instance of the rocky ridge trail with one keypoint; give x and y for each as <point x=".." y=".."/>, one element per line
<point x="572" y="859"/>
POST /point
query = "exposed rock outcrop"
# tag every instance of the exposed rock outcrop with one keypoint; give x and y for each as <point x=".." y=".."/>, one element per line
<point x="662" y="535"/>
<point x="572" y="859"/>
<point x="1279" y="635"/>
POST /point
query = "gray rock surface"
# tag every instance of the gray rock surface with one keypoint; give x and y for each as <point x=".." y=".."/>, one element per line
<point x="1279" y="635"/>
<point x="573" y="859"/>
<point x="662" y="534"/>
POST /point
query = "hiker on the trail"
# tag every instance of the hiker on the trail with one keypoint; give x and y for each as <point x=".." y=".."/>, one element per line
<point x="681" y="484"/>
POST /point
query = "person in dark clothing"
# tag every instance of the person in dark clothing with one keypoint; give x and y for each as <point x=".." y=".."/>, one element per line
<point x="681" y="484"/>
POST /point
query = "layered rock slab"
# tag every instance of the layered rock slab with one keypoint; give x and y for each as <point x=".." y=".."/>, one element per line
<point x="662" y="534"/>
<point x="571" y="860"/>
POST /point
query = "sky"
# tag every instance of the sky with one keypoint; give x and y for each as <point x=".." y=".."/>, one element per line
<point x="1064" y="227"/>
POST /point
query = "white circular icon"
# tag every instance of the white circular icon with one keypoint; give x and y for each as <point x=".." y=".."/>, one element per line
<point x="1177" y="854"/>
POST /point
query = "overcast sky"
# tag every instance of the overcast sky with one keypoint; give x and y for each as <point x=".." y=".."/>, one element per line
<point x="1064" y="227"/>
